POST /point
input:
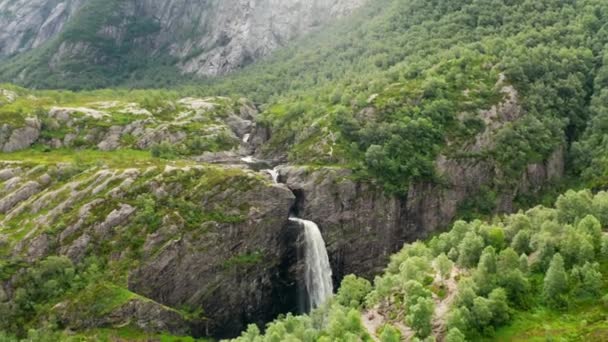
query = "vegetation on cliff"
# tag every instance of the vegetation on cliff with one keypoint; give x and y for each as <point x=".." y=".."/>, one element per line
<point x="478" y="281"/>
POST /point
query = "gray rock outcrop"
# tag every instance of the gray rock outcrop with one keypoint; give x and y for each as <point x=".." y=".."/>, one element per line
<point x="22" y="137"/>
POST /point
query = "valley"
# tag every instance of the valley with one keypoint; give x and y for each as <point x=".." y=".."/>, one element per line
<point x="391" y="170"/>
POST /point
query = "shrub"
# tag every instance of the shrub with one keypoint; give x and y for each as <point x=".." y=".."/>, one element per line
<point x="353" y="291"/>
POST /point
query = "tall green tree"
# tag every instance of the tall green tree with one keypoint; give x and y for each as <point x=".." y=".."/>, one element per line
<point x="419" y="317"/>
<point x="555" y="285"/>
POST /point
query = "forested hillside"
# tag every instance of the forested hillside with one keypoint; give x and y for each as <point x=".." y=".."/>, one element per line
<point x="421" y="70"/>
<point x="449" y="156"/>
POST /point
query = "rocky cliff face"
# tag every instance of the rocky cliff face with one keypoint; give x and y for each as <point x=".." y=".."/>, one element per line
<point x="363" y="225"/>
<point x="27" y="24"/>
<point x="208" y="37"/>
<point x="204" y="238"/>
<point x="240" y="32"/>
<point x="214" y="240"/>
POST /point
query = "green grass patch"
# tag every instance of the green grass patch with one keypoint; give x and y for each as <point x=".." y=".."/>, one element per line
<point x="123" y="158"/>
<point x="128" y="333"/>
<point x="584" y="323"/>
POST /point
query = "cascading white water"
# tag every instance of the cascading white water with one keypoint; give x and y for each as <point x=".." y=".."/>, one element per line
<point x="274" y="174"/>
<point x="317" y="270"/>
<point x="317" y="273"/>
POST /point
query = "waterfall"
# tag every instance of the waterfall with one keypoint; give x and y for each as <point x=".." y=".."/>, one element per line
<point x="317" y="273"/>
<point x="274" y="174"/>
<point x="317" y="270"/>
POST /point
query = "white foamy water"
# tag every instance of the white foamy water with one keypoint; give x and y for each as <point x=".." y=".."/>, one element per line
<point x="274" y="174"/>
<point x="317" y="275"/>
<point x="249" y="160"/>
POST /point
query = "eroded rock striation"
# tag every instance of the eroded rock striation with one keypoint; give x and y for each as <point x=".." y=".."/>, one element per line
<point x="208" y="238"/>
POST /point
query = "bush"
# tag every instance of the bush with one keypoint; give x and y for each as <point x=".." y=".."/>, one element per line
<point x="164" y="150"/>
<point x="390" y="334"/>
<point x="353" y="291"/>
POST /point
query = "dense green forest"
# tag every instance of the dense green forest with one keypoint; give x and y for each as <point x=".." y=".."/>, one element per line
<point x="427" y="67"/>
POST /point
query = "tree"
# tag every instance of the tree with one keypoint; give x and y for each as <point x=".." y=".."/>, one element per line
<point x="353" y="291"/>
<point x="485" y="274"/>
<point x="521" y="242"/>
<point x="555" y="285"/>
<point x="467" y="292"/>
<point x="444" y="266"/>
<point x="251" y="334"/>
<point x="415" y="291"/>
<point x="459" y="318"/>
<point x="573" y="205"/>
<point x="604" y="248"/>
<point x="415" y="268"/>
<point x="470" y="249"/>
<point x="499" y="306"/>
<point x="591" y="279"/>
<point x="419" y="317"/>
<point x="507" y="260"/>
<point x="600" y="206"/>
<point x="576" y="247"/>
<point x="390" y="334"/>
<point x="515" y="224"/>
<point x="487" y="261"/>
<point x="524" y="265"/>
<point x="544" y="246"/>
<point x="454" y="335"/>
<point x="495" y="236"/>
<point x="481" y="312"/>
<point x="440" y="244"/>
<point x="591" y="226"/>
<point x="516" y="286"/>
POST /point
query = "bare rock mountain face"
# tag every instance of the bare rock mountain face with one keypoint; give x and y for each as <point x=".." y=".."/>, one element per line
<point x="27" y="24"/>
<point x="206" y="38"/>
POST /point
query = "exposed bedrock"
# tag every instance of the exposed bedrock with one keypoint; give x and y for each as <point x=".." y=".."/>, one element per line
<point x="363" y="226"/>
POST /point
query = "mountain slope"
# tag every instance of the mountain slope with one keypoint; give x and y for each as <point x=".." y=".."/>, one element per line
<point x="117" y="42"/>
<point x="403" y="85"/>
<point x="26" y="25"/>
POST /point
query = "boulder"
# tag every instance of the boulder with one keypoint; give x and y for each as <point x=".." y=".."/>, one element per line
<point x="23" y="137"/>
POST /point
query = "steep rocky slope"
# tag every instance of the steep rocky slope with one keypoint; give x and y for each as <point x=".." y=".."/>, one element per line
<point x="201" y="237"/>
<point x="206" y="38"/>
<point x="26" y="25"/>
